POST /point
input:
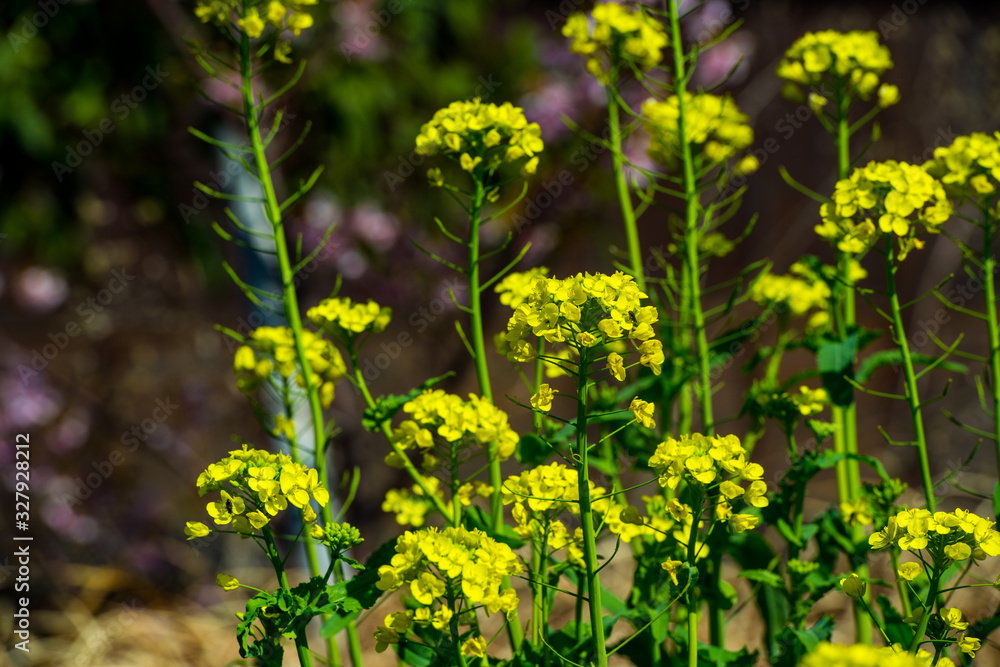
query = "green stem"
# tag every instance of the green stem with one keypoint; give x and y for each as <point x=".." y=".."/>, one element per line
<point x="621" y="184"/>
<point x="289" y="300"/>
<point x="912" y="397"/>
<point x="301" y="641"/>
<point x="848" y="470"/>
<point x="989" y="282"/>
<point x="586" y="515"/>
<point x="692" y="601"/>
<point x="928" y="608"/>
<point x="692" y="266"/>
<point x="483" y="374"/>
<point x="479" y="346"/>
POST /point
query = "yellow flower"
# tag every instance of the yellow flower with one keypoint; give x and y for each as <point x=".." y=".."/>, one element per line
<point x="227" y="582"/>
<point x="909" y="571"/>
<point x="952" y="617"/>
<point x="473" y="131"/>
<point x="969" y="645"/>
<point x="543" y="399"/>
<point x="643" y="412"/>
<point x="616" y="366"/>
<point x="671" y="566"/>
<point x="716" y="128"/>
<point x="958" y="551"/>
<point x="474" y="646"/>
<point x="620" y="33"/>
<point x="854" y="586"/>
<point x="224" y="510"/>
<point x="252" y="24"/>
<point x="195" y="529"/>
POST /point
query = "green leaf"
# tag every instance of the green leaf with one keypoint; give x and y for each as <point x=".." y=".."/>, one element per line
<point x="360" y="592"/>
<point x="765" y="577"/>
<point x="835" y="360"/>
<point x="532" y="450"/>
<point x="897" y="631"/>
<point x="713" y="655"/>
<point x="793" y="643"/>
<point x="416" y="654"/>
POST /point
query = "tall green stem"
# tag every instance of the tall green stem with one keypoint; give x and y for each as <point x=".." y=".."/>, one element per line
<point x="289" y="300"/>
<point x="692" y="209"/>
<point x="845" y="417"/>
<point x="692" y="279"/>
<point x="912" y="396"/>
<point x="301" y="641"/>
<point x="586" y="514"/>
<point x="989" y="282"/>
<point x="621" y="184"/>
<point x="483" y="374"/>
<point x="479" y="345"/>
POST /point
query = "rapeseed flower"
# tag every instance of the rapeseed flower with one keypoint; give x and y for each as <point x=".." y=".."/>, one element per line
<point x="824" y="61"/>
<point x="613" y="34"/>
<point x="715" y="127"/>
<point x="892" y="198"/>
<point x="481" y="137"/>
<point x="969" y="168"/>
<point x="255" y="485"/>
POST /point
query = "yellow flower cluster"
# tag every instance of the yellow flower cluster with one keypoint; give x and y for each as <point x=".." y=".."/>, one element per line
<point x="583" y="311"/>
<point x="273" y="349"/>
<point x="435" y="564"/>
<point x="970" y="167"/>
<point x="342" y="318"/>
<point x="516" y="287"/>
<point x="411" y="507"/>
<point x="829" y="58"/>
<point x="257" y="15"/>
<point x="863" y="655"/>
<point x="714" y="125"/>
<point x="255" y="485"/>
<point x="481" y="137"/>
<point x="800" y="291"/>
<point x="717" y="463"/>
<point x="436" y="413"/>
<point x="948" y="536"/>
<point x="810" y="401"/>
<point x="897" y="195"/>
<point x="619" y="33"/>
